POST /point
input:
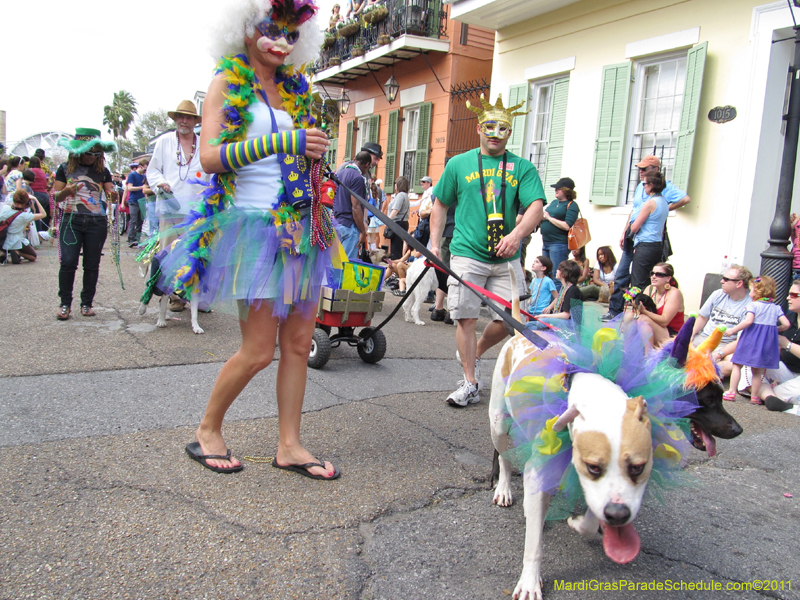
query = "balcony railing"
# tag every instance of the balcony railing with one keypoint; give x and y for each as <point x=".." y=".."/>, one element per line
<point x="425" y="18"/>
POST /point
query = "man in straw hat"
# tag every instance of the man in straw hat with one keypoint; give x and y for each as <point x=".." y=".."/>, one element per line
<point x="84" y="185"/>
<point x="172" y="170"/>
<point x="489" y="185"/>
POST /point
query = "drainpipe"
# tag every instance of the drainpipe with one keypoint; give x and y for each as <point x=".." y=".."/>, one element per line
<point x="776" y="261"/>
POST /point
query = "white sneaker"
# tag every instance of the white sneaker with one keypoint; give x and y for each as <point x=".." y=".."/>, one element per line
<point x="477" y="370"/>
<point x="467" y="393"/>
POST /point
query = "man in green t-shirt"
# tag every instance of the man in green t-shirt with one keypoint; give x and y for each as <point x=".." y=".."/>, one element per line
<point x="489" y="185"/>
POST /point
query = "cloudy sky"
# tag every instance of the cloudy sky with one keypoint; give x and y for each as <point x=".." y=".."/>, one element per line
<point x="65" y="60"/>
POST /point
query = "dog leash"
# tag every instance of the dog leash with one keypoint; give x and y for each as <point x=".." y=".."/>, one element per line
<point x="531" y="336"/>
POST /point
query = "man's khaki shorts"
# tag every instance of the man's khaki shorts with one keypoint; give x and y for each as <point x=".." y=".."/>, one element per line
<point x="462" y="302"/>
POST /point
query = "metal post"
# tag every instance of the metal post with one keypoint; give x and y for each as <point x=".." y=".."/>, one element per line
<point x="776" y="261"/>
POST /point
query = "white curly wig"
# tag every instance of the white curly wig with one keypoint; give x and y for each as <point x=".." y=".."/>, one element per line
<point x="239" y="18"/>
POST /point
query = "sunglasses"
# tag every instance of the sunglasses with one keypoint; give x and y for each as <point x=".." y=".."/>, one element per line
<point x="95" y="154"/>
<point x="657" y="274"/>
<point x="794" y="295"/>
<point x="727" y="279"/>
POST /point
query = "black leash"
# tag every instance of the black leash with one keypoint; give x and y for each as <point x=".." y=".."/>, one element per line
<point x="531" y="336"/>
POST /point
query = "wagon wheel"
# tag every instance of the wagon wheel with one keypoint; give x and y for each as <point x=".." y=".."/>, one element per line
<point x="372" y="349"/>
<point x="320" y="349"/>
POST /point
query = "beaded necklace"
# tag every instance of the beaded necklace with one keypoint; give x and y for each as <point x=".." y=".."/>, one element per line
<point x="179" y="153"/>
<point x="560" y="299"/>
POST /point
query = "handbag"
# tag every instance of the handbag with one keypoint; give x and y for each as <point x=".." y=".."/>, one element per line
<point x="388" y="233"/>
<point x="579" y="234"/>
<point x="33" y="235"/>
<point x="666" y="246"/>
<point x="4" y="228"/>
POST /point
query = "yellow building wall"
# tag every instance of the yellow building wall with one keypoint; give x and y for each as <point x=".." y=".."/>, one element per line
<point x="596" y="33"/>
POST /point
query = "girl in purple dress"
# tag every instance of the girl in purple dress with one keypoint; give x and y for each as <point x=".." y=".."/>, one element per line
<point x="757" y="347"/>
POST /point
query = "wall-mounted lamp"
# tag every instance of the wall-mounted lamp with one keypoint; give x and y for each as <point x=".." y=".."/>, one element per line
<point x="391" y="87"/>
<point x="343" y="103"/>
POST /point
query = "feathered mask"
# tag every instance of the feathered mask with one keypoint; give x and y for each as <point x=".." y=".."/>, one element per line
<point x="293" y="11"/>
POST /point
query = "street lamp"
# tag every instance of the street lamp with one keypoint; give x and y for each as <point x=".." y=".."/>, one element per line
<point x="391" y="88"/>
<point x="343" y="103"/>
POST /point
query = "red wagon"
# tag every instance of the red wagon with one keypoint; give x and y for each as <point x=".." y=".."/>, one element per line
<point x="346" y="310"/>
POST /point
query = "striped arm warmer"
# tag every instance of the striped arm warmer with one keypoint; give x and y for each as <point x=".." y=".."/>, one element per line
<point x="237" y="155"/>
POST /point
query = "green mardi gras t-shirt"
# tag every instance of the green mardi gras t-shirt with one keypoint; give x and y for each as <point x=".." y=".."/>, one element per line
<point x="461" y="183"/>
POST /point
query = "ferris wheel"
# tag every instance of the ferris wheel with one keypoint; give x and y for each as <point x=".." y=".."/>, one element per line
<point x="47" y="141"/>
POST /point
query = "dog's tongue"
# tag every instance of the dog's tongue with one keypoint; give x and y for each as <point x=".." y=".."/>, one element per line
<point x="621" y="543"/>
<point x="710" y="442"/>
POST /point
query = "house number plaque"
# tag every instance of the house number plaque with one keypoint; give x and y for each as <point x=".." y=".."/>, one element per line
<point x="722" y="114"/>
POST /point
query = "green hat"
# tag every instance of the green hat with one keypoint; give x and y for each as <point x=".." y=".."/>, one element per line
<point x="85" y="139"/>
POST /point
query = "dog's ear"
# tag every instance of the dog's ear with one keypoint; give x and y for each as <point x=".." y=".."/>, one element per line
<point x="566" y="418"/>
<point x="638" y="406"/>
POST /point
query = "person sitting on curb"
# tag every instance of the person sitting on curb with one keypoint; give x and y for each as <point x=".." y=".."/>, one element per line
<point x="726" y="306"/>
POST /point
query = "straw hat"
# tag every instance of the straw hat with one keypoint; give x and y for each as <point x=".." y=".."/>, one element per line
<point x="186" y="107"/>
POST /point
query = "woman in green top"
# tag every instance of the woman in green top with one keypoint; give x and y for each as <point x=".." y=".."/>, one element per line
<point x="558" y="217"/>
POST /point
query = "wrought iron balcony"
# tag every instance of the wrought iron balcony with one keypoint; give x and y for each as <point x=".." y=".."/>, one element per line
<point x="382" y="24"/>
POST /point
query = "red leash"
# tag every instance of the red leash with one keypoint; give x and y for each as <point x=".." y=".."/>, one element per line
<point x="492" y="296"/>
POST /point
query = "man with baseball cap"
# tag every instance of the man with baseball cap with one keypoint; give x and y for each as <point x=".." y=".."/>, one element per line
<point x="675" y="197"/>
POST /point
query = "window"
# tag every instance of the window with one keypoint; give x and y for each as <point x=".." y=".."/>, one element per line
<point x="363" y="133"/>
<point x="540" y="132"/>
<point x="408" y="147"/>
<point x="664" y="101"/>
<point x="655" y="116"/>
<point x="544" y="130"/>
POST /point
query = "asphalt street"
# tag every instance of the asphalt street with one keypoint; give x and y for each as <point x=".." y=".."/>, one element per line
<point x="100" y="501"/>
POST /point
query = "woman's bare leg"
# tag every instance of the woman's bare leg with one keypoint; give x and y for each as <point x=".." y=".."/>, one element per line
<point x="660" y="333"/>
<point x="294" y="340"/>
<point x="254" y="354"/>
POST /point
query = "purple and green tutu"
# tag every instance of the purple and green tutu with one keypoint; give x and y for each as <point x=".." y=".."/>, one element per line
<point x="255" y="256"/>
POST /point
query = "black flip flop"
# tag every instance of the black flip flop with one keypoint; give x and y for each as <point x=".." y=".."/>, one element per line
<point x="195" y="452"/>
<point x="303" y="469"/>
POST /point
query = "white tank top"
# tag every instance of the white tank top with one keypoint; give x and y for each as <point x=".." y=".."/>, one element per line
<point x="258" y="184"/>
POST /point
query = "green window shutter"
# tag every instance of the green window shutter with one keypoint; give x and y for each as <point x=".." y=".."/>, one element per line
<point x="331" y="153"/>
<point x="374" y="128"/>
<point x="695" y="65"/>
<point x="348" y="141"/>
<point x="610" y="142"/>
<point x="516" y="94"/>
<point x="423" y="145"/>
<point x="555" y="145"/>
<point x="391" y="151"/>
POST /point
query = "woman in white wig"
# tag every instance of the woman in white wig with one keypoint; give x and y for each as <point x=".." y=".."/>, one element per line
<point x="260" y="241"/>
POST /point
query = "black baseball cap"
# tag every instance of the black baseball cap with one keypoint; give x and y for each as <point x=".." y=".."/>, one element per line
<point x="564" y="182"/>
<point x="373" y="148"/>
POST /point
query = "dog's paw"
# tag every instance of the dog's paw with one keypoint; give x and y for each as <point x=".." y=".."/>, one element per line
<point x="409" y="319"/>
<point x="584" y="525"/>
<point x="419" y="322"/>
<point x="528" y="588"/>
<point x="197" y="329"/>
<point x="142" y="308"/>
<point x="502" y="495"/>
<point x="161" y="323"/>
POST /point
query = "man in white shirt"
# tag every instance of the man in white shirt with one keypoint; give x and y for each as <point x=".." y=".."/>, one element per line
<point x="173" y="167"/>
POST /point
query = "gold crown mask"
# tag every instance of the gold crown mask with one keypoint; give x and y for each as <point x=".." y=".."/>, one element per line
<point x="497" y="112"/>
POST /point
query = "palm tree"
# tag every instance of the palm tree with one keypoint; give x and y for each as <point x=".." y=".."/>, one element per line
<point x="119" y="115"/>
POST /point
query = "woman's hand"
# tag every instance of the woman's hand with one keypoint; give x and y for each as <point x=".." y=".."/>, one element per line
<point x="316" y="143"/>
